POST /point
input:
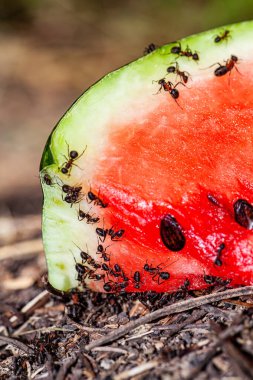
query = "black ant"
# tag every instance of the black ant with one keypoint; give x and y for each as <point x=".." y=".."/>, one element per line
<point x="89" y="218"/>
<point x="81" y="270"/>
<point x="91" y="197"/>
<point x="184" y="53"/>
<point x="217" y="260"/>
<point x="150" y="48"/>
<point x="96" y="277"/>
<point x="137" y="279"/>
<point x="224" y="36"/>
<point x="101" y="250"/>
<point x="74" y="194"/>
<point x="86" y="258"/>
<point x="227" y="68"/>
<point x="115" y="235"/>
<point x="72" y="199"/>
<point x="156" y="271"/>
<point x="185" y="285"/>
<point x="73" y="155"/>
<point x="184" y="75"/>
<point x="170" y="87"/>
<point x="47" y="179"/>
<point x="209" y="279"/>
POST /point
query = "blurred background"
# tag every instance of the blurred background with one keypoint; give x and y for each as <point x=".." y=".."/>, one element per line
<point x="52" y="50"/>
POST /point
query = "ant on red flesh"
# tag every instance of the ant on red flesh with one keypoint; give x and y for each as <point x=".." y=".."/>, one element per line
<point x="227" y="68"/>
<point x="218" y="261"/>
<point x="73" y="155"/>
<point x="102" y="233"/>
<point x="137" y="279"/>
<point x="170" y="87"/>
<point x="117" y="268"/>
<point x="184" y="76"/>
<point x="97" y="201"/>
<point x="101" y="250"/>
<point x="224" y="36"/>
<point x="209" y="279"/>
<point x="108" y="287"/>
<point x="156" y="271"/>
<point x="115" y="235"/>
<point x="185" y="285"/>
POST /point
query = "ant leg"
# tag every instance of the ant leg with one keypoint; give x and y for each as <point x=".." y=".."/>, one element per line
<point x="238" y="71"/>
<point x="80" y="155"/>
<point x="180" y="83"/>
<point x="179" y="104"/>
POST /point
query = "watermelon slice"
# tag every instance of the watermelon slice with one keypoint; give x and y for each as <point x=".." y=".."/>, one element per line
<point x="148" y="177"/>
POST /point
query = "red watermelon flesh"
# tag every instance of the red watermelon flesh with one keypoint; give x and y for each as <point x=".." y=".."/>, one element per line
<point x="176" y="175"/>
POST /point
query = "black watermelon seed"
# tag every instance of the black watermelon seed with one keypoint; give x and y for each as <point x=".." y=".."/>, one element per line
<point x="244" y="213"/>
<point x="171" y="233"/>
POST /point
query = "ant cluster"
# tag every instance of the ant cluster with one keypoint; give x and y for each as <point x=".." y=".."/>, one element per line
<point x="184" y="76"/>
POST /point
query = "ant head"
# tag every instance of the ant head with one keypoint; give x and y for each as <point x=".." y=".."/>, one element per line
<point x="73" y="154"/>
<point x="234" y="58"/>
<point x="161" y="81"/>
<point x="65" y="188"/>
<point x="64" y="170"/>
<point x="195" y="57"/>
<point x="171" y="69"/>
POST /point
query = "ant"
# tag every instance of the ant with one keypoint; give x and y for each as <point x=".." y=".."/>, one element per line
<point x="86" y="258"/>
<point x="73" y="155"/>
<point x="137" y="279"/>
<point x="47" y="179"/>
<point x="227" y="68"/>
<point x="224" y="36"/>
<point x="84" y="215"/>
<point x="150" y="48"/>
<point x="184" y="53"/>
<point x="74" y="194"/>
<point x="95" y="198"/>
<point x="115" y="235"/>
<point x="96" y="277"/>
<point x="218" y="261"/>
<point x="71" y="189"/>
<point x="73" y="198"/>
<point x="101" y="250"/>
<point x="184" y="75"/>
<point x="156" y="271"/>
<point x="185" y="285"/>
<point x="170" y="87"/>
<point x="209" y="279"/>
